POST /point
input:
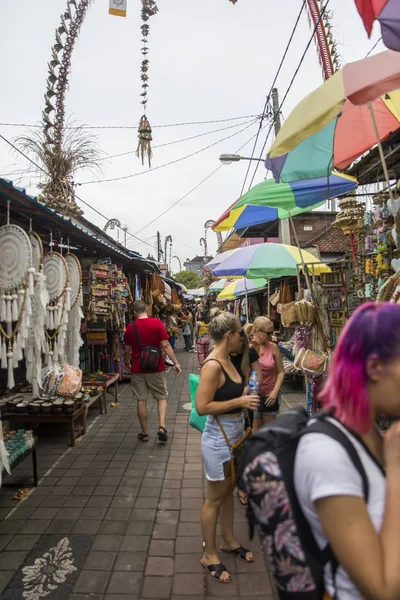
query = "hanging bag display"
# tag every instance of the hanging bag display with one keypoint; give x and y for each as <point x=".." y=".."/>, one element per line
<point x="150" y="356"/>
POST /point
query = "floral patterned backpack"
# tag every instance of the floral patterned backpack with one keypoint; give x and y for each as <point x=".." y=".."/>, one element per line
<point x="266" y="475"/>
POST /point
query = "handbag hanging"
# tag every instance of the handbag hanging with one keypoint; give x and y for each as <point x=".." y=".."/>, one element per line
<point x="234" y="449"/>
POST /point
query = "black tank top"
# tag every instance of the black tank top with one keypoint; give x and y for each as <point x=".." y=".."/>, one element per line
<point x="229" y="390"/>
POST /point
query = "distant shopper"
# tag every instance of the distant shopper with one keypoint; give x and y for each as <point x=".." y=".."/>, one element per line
<point x="143" y="333"/>
<point x="202" y="338"/>
<point x="272" y="372"/>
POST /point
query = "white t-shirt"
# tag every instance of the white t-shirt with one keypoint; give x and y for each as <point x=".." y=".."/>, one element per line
<point x="323" y="468"/>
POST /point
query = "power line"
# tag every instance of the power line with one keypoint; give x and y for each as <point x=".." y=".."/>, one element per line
<point x="192" y="190"/>
<point x="290" y="85"/>
<point x="172" y="162"/>
<point x="81" y="199"/>
<point x="36" y="126"/>
<point x="373" y="47"/>
<point x="267" y="100"/>
<point x="193" y="137"/>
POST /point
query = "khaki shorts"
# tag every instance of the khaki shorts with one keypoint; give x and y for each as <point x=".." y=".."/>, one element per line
<point x="143" y="383"/>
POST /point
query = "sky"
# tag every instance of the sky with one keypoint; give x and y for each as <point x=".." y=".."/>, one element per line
<point x="210" y="60"/>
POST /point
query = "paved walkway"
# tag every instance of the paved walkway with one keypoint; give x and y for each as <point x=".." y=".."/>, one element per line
<point x="133" y="507"/>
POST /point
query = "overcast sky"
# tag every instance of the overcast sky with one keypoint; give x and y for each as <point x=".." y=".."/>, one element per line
<point x="209" y="60"/>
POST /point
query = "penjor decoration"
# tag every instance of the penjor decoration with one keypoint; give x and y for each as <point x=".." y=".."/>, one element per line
<point x="149" y="9"/>
<point x="16" y="291"/>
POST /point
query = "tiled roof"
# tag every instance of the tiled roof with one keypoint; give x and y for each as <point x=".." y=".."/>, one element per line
<point x="329" y="240"/>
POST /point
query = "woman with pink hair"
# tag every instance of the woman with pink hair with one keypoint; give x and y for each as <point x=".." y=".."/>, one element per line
<point x="362" y="530"/>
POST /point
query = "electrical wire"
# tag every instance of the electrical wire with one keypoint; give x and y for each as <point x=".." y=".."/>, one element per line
<point x="267" y="100"/>
<point x="290" y="85"/>
<point x="193" y="137"/>
<point x="172" y="162"/>
<point x="373" y="47"/>
<point x="37" y="126"/>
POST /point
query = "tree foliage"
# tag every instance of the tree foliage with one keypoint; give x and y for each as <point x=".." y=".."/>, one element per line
<point x="187" y="278"/>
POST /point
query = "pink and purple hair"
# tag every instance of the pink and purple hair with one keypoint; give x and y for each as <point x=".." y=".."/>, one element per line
<point x="373" y="329"/>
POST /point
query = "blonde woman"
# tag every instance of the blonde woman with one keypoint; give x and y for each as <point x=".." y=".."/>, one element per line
<point x="272" y="372"/>
<point x="221" y="394"/>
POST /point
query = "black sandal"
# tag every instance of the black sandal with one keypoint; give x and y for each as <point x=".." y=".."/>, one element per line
<point x="162" y="434"/>
<point x="242" y="498"/>
<point x="240" y="553"/>
<point x="143" y="437"/>
<point x="215" y="571"/>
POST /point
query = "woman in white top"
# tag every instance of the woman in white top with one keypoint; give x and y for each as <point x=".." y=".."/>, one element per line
<point x="364" y="381"/>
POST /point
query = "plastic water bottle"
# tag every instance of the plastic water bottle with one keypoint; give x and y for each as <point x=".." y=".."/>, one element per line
<point x="253" y="384"/>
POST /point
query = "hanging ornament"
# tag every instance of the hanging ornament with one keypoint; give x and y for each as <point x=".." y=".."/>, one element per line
<point x="16" y="287"/>
<point x="74" y="340"/>
<point x="55" y="270"/>
<point x="149" y="9"/>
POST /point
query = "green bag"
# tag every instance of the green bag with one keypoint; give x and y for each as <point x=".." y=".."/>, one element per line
<point x="195" y="420"/>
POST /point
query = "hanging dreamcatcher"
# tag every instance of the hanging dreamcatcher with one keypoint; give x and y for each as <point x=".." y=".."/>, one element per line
<point x="74" y="340"/>
<point x="35" y="344"/>
<point x="16" y="289"/>
<point x="55" y="269"/>
<point x="149" y="9"/>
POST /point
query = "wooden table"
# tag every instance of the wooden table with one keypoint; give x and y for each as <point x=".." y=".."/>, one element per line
<point x="80" y="414"/>
<point x="104" y="385"/>
<point x="32" y="452"/>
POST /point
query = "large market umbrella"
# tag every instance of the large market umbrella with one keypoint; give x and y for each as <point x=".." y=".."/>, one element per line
<point x="267" y="260"/>
<point x="387" y="12"/>
<point x="218" y="286"/>
<point x="340" y="120"/>
<point x="241" y="287"/>
<point x="269" y="201"/>
<point x="210" y="266"/>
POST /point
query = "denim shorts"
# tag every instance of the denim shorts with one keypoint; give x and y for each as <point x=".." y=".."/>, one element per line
<point x="214" y="448"/>
<point x="269" y="411"/>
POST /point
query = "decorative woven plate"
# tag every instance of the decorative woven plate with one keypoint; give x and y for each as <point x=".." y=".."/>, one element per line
<point x="37" y="250"/>
<point x="74" y="276"/>
<point x="16" y="256"/>
<point x="56" y="270"/>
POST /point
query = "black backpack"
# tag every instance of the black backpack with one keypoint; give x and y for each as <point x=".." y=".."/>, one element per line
<point x="265" y="473"/>
<point x="150" y="356"/>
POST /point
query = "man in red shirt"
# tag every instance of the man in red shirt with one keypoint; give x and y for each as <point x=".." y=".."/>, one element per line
<point x="151" y="333"/>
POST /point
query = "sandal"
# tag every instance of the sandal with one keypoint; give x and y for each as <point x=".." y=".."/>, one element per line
<point x="242" y="498"/>
<point x="215" y="571"/>
<point x="240" y="553"/>
<point x="162" y="434"/>
<point x="143" y="437"/>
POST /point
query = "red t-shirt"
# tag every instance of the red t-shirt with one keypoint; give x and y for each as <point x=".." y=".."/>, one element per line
<point x="152" y="333"/>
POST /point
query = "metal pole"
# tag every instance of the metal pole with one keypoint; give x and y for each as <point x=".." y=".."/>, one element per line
<point x="284" y="229"/>
<point x="158" y="246"/>
<point x="247" y="301"/>
<point x="269" y="294"/>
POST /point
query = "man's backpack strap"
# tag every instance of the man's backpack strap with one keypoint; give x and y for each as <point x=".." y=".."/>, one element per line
<point x="139" y="341"/>
<point x="327" y="428"/>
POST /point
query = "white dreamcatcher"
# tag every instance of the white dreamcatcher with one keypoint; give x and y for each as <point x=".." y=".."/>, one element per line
<point x="16" y="290"/>
<point x="36" y="342"/>
<point x="55" y="270"/>
<point x="74" y="340"/>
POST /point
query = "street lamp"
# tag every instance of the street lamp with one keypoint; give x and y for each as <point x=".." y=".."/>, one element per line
<point x="228" y="159"/>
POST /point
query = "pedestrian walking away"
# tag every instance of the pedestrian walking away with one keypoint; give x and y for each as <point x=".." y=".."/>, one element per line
<point x="148" y="334"/>
<point x="221" y="396"/>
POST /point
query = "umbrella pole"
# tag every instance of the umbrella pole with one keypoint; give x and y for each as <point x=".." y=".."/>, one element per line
<point x="303" y="264"/>
<point x="269" y="294"/>
<point x="383" y="161"/>
<point x="247" y="301"/>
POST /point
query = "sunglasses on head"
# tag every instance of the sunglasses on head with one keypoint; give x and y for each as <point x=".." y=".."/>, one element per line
<point x="266" y="332"/>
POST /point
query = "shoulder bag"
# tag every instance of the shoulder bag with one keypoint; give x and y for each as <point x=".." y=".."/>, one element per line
<point x="150" y="356"/>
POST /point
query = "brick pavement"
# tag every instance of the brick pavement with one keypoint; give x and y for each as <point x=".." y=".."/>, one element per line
<point x="140" y="505"/>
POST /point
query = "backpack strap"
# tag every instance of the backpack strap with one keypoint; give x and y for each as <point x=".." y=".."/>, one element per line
<point x="327" y="428"/>
<point x="139" y="341"/>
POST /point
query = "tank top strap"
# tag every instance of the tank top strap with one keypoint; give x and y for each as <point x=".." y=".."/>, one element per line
<point x="220" y="364"/>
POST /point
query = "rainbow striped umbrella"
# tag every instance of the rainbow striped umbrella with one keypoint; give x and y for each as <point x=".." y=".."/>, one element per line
<point x="387" y="12"/>
<point x="218" y="286"/>
<point x="269" y="201"/>
<point x="241" y="287"/>
<point x="335" y="124"/>
<point x="267" y="260"/>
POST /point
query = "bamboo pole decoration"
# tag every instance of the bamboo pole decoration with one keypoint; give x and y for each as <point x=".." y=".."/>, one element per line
<point x="149" y="9"/>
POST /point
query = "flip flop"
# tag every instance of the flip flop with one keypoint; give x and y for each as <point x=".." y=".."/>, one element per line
<point x="143" y="437"/>
<point x="215" y="571"/>
<point x="240" y="553"/>
<point x="162" y="434"/>
<point x="242" y="499"/>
